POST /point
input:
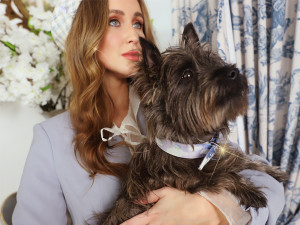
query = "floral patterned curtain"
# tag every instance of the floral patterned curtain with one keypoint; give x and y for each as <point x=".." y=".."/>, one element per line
<point x="260" y="36"/>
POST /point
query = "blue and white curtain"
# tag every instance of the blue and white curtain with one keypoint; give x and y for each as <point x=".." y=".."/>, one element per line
<point x="263" y="38"/>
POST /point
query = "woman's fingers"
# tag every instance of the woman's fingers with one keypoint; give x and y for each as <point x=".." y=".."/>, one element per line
<point x="141" y="219"/>
<point x="146" y="217"/>
<point x="154" y="196"/>
<point x="174" y="207"/>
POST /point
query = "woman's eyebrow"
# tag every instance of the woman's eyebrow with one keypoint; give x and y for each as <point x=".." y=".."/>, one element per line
<point x="120" y="12"/>
<point x="116" y="11"/>
<point x="138" y="14"/>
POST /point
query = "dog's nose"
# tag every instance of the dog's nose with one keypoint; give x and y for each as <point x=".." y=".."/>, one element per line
<point x="233" y="73"/>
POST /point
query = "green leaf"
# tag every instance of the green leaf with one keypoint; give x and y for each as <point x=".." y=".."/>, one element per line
<point x="51" y="70"/>
<point x="46" y="88"/>
<point x="152" y="21"/>
<point x="60" y="71"/>
<point x="12" y="54"/>
<point x="11" y="46"/>
<point x="32" y="28"/>
<point x="49" y="34"/>
<point x="36" y="31"/>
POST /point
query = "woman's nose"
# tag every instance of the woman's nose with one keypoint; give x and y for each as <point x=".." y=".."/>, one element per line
<point x="133" y="36"/>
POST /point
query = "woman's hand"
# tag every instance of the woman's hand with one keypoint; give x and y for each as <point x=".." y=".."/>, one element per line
<point x="178" y="207"/>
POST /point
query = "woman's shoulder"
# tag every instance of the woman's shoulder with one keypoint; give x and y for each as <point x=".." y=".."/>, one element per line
<point x="60" y="121"/>
<point x="57" y="128"/>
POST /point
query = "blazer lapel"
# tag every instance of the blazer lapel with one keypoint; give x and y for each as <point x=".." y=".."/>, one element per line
<point x="141" y="120"/>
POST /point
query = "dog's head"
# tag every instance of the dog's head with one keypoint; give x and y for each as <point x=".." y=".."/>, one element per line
<point x="188" y="91"/>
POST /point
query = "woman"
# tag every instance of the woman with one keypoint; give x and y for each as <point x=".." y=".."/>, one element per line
<point x="71" y="165"/>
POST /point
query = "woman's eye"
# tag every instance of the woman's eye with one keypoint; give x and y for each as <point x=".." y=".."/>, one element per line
<point x="114" y="23"/>
<point x="138" y="25"/>
<point x="187" y="74"/>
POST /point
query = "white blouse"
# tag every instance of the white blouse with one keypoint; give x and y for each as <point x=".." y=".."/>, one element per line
<point x="129" y="129"/>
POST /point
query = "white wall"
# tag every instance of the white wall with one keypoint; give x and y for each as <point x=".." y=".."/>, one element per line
<point x="160" y="11"/>
<point x="16" y="120"/>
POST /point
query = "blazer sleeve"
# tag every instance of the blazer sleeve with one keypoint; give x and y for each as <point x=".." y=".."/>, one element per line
<point x="273" y="190"/>
<point x="237" y="215"/>
<point x="274" y="193"/>
<point x="40" y="198"/>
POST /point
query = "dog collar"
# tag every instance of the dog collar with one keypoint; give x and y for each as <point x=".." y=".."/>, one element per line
<point x="206" y="150"/>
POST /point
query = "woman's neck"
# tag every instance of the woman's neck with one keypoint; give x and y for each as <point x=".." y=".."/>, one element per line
<point x="119" y="93"/>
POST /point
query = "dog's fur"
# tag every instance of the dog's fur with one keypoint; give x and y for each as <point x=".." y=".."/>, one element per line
<point x="189" y="94"/>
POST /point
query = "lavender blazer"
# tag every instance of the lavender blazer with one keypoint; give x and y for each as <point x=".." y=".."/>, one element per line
<point x="53" y="181"/>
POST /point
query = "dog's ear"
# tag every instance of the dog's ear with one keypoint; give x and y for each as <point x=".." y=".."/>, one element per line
<point x="147" y="82"/>
<point x="151" y="54"/>
<point x="189" y="36"/>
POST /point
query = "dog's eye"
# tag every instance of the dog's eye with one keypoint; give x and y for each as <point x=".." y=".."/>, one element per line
<point x="187" y="74"/>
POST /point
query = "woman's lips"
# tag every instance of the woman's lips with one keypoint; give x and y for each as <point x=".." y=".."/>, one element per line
<point x="132" y="55"/>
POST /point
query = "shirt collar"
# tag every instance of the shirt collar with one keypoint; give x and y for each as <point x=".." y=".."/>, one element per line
<point x="129" y="128"/>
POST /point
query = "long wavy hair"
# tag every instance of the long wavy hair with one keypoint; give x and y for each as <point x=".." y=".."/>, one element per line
<point x="91" y="107"/>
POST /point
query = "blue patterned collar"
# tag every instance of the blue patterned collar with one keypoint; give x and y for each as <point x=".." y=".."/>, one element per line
<point x="206" y="150"/>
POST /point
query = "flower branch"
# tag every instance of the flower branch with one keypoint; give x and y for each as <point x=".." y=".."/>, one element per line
<point x="31" y="66"/>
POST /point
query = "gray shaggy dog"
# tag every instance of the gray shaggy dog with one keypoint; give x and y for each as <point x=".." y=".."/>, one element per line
<point x="189" y="95"/>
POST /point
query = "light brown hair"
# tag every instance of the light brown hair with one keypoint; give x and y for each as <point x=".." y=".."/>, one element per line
<point x="91" y="107"/>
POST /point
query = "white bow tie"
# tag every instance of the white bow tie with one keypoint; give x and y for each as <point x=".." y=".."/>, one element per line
<point x="130" y="134"/>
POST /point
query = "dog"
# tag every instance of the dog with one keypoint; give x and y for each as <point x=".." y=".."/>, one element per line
<point x="189" y="94"/>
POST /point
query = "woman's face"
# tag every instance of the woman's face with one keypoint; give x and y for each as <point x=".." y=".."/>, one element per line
<point x="120" y="48"/>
